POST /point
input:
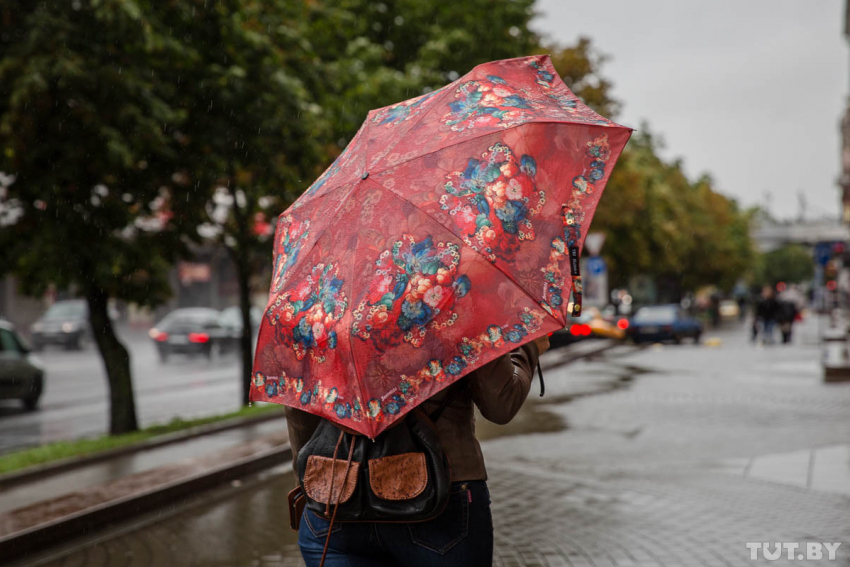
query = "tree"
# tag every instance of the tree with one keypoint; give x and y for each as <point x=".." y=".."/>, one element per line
<point x="377" y="53"/>
<point x="250" y="127"/>
<point x="683" y="233"/>
<point x="790" y="264"/>
<point x="89" y="135"/>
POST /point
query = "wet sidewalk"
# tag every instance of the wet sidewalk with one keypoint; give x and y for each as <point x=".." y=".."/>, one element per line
<point x="665" y="456"/>
<point x="104" y="472"/>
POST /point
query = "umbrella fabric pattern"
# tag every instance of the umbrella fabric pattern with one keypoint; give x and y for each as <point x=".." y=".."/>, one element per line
<point x="447" y="233"/>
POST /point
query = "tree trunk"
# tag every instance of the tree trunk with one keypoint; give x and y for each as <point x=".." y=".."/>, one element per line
<point x="116" y="362"/>
<point x="243" y="275"/>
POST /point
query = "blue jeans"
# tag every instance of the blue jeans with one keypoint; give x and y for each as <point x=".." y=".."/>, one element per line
<point x="767" y="330"/>
<point x="461" y="536"/>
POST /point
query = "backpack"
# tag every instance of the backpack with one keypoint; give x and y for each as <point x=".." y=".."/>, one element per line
<point x="403" y="475"/>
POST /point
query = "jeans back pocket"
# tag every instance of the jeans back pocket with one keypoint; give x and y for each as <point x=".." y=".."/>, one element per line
<point x="446" y="530"/>
<point x="318" y="525"/>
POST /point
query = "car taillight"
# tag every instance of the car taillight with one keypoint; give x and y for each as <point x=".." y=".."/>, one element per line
<point x="668" y="327"/>
<point x="623" y="324"/>
<point x="162" y="336"/>
<point x="199" y="338"/>
<point x="580" y="330"/>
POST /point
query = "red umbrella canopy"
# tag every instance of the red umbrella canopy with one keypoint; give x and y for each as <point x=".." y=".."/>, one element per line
<point x="445" y="235"/>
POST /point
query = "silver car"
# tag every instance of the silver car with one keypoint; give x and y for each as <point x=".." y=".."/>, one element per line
<point x="21" y="374"/>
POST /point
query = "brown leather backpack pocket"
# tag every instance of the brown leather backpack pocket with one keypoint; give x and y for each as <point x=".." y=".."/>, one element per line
<point x="317" y="479"/>
<point x="398" y="477"/>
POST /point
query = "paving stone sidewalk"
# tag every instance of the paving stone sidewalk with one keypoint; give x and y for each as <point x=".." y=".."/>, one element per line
<point x="666" y="456"/>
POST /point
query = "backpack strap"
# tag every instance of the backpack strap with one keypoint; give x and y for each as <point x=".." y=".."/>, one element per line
<point x="540" y="375"/>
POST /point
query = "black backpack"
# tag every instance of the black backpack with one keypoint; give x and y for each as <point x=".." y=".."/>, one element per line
<point x="401" y="476"/>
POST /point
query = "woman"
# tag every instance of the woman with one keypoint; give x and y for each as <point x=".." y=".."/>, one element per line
<point x="463" y="534"/>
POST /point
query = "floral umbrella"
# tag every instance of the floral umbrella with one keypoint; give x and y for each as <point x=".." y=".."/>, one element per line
<point x="446" y="234"/>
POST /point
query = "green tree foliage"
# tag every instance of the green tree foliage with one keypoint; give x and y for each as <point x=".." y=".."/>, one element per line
<point x="790" y="264"/>
<point x="379" y="53"/>
<point x="119" y="119"/>
<point x="659" y="223"/>
<point x="88" y="133"/>
<point x="250" y="126"/>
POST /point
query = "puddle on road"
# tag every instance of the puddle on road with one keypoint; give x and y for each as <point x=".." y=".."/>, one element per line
<point x="249" y="526"/>
<point x="536" y="417"/>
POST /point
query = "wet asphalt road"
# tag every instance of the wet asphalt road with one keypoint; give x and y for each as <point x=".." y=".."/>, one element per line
<point x="639" y="458"/>
<point x="75" y="401"/>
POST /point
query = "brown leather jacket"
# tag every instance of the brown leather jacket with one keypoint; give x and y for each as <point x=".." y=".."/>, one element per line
<point x="498" y="388"/>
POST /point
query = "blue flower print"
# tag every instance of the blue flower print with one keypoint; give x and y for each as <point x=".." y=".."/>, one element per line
<point x="271" y="388"/>
<point x="528" y="165"/>
<point x="342" y="410"/>
<point x="306" y="395"/>
<point x="514" y="336"/>
<point x="456" y="366"/>
<point x="462" y="285"/>
<point x="395" y="404"/>
<point x="416" y="312"/>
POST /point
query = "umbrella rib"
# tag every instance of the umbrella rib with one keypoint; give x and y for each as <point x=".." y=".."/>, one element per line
<point x="432" y="107"/>
<point x="482" y="135"/>
<point x="350" y="338"/>
<point x="507" y="275"/>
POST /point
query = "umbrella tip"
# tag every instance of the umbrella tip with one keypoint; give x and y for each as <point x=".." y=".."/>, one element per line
<point x="365" y="175"/>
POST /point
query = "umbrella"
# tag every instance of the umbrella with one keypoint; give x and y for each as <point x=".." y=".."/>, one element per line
<point x="447" y="233"/>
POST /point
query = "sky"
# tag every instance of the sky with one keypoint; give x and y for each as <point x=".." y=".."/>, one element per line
<point x="749" y="91"/>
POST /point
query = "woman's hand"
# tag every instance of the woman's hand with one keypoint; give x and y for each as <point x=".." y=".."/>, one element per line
<point x="542" y="344"/>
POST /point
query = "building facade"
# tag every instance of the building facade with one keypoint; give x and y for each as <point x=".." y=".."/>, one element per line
<point x="844" y="181"/>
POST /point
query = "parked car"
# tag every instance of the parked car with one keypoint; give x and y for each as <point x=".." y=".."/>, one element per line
<point x="191" y="331"/>
<point x="21" y="374"/>
<point x="65" y="323"/>
<point x="658" y="323"/>
<point x="589" y="324"/>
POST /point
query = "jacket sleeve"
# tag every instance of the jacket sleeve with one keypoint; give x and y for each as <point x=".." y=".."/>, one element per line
<point x="500" y="387"/>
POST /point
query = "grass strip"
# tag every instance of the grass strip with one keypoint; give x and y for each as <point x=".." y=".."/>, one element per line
<point x="66" y="449"/>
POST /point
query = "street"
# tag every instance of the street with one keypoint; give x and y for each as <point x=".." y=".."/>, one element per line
<point x="75" y="401"/>
<point x="673" y="456"/>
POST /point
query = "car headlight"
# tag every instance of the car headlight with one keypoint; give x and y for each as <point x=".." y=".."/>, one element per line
<point x="68" y="327"/>
<point x="37" y="328"/>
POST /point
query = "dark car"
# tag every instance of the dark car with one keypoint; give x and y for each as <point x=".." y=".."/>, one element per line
<point x="192" y="331"/>
<point x="65" y="323"/>
<point x="21" y="374"/>
<point x="658" y="323"/>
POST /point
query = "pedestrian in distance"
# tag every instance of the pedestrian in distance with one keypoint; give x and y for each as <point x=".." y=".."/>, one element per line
<point x="462" y="535"/>
<point x="767" y="311"/>
<point x="786" y="313"/>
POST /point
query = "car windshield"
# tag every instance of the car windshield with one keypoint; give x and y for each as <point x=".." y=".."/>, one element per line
<point x="657" y="314"/>
<point x="188" y="318"/>
<point x="232" y="316"/>
<point x="66" y="310"/>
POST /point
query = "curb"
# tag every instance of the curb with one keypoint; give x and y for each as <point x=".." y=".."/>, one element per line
<point x="18" y="544"/>
<point x="39" y="471"/>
